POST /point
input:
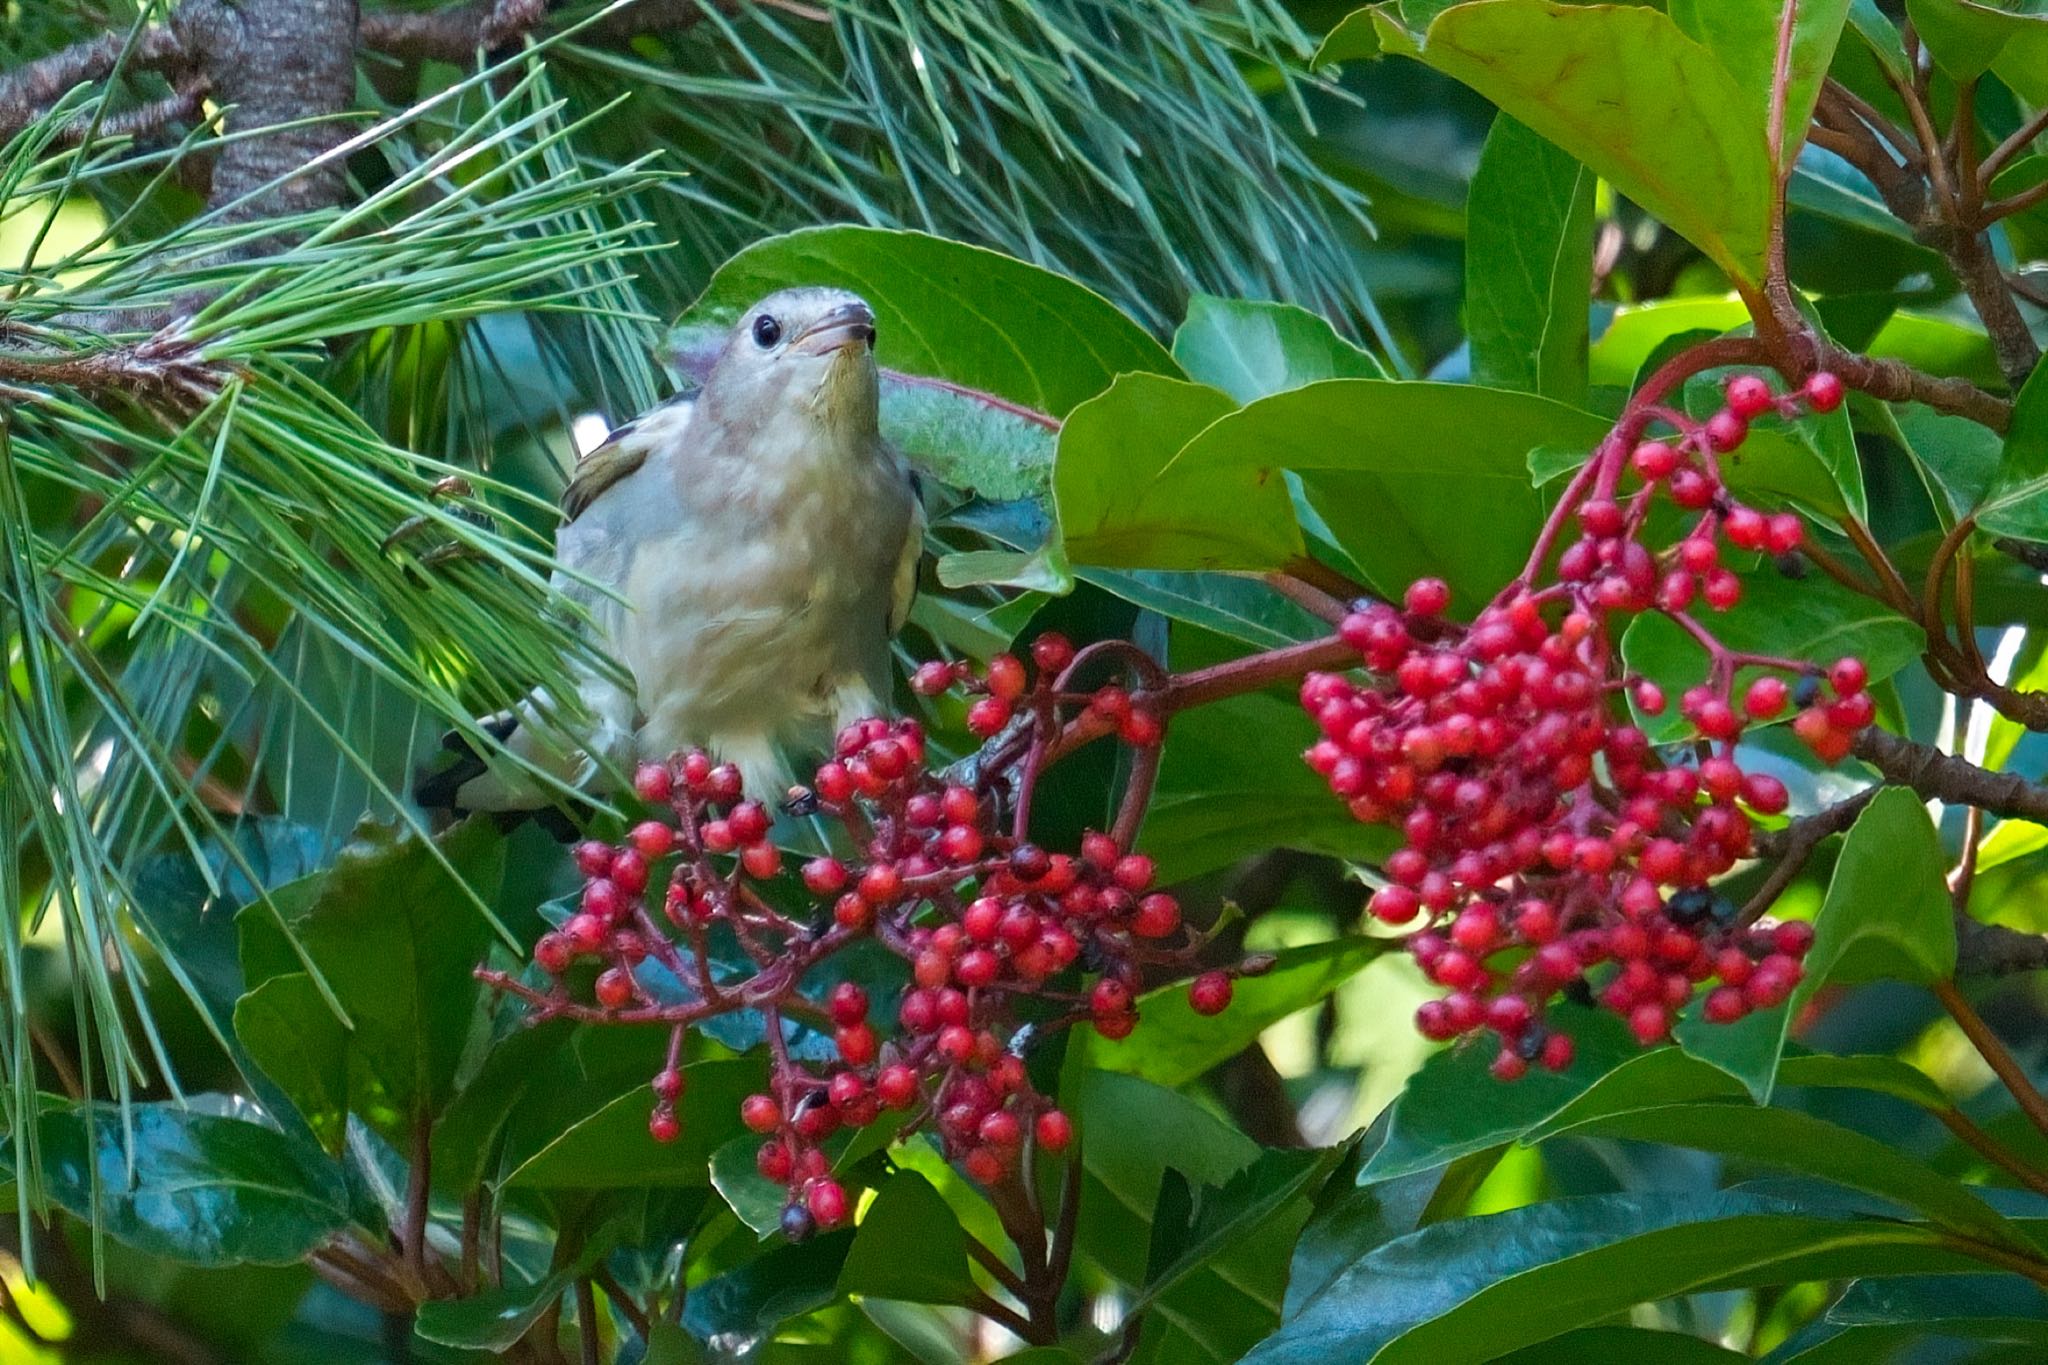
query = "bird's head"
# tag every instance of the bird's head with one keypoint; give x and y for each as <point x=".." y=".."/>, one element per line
<point x="808" y="351"/>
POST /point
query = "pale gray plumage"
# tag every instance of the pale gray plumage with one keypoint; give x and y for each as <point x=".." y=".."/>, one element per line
<point x="761" y="542"/>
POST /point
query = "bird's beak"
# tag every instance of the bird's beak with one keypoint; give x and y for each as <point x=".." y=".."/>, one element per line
<point x="844" y="326"/>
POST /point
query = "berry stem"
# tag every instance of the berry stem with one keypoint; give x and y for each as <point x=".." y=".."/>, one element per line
<point x="1994" y="1053"/>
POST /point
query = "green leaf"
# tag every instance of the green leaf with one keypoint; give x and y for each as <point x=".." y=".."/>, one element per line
<point x="1637" y="1345"/>
<point x="295" y="1040"/>
<point x="909" y="1246"/>
<point x="2018" y="504"/>
<point x="963" y="437"/>
<point x="1807" y="1145"/>
<point x="757" y="1200"/>
<point x="1881" y="35"/>
<point x="1813" y="619"/>
<point x="1529" y="265"/>
<point x="610" y="1147"/>
<point x="390" y="929"/>
<point x="1232" y="783"/>
<point x="1250" y="349"/>
<point x="194" y="1187"/>
<point x="668" y="1344"/>
<point x="1960" y="462"/>
<point x="1880" y="1319"/>
<point x="1231" y="605"/>
<point x="1113" y="448"/>
<point x="1121" y="1119"/>
<point x="1513" y="1279"/>
<point x="1625" y="91"/>
<point x="1743" y="35"/>
<point x="1887" y="916"/>
<point x="1224" y="1218"/>
<point x="494" y="1319"/>
<point x="1173" y="1045"/>
<point x="1967" y="37"/>
<point x="950" y="311"/>
<point x="1400" y="500"/>
<point x="1453" y="1107"/>
<point x="755" y="1298"/>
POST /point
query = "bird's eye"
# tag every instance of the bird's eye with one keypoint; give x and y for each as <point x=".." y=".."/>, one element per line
<point x="767" y="331"/>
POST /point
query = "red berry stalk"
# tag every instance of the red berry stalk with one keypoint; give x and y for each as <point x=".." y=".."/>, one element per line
<point x="1547" y="847"/>
<point x="994" y="928"/>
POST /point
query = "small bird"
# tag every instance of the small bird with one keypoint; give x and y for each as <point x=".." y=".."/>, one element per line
<point x="756" y="549"/>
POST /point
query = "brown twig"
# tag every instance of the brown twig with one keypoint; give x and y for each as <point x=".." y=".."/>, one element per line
<point x="454" y="34"/>
<point x="1948" y="778"/>
<point x="29" y="90"/>
<point x="1794" y="844"/>
<point x="1995" y="1054"/>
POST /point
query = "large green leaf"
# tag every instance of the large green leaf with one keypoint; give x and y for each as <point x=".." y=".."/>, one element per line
<point x="1221" y="1220"/>
<point x="1887" y="916"/>
<point x="1476" y="1288"/>
<point x="1808" y="1146"/>
<point x="2018" y="503"/>
<point x="1117" y="445"/>
<point x="190" y="1186"/>
<point x="909" y="1246"/>
<point x="494" y="1319"/>
<point x="1173" y="1045"/>
<point x="390" y="930"/>
<point x="1881" y="1319"/>
<point x="1124" y="1160"/>
<point x="1968" y="36"/>
<point x="1401" y="499"/>
<point x="951" y="311"/>
<point x="1743" y="34"/>
<point x="1529" y="265"/>
<point x="295" y="1040"/>
<point x="1812" y="619"/>
<point x="1453" y="1107"/>
<point x="1624" y="90"/>
<point x="1249" y="349"/>
<point x="1232" y="783"/>
<point x="609" y="1147"/>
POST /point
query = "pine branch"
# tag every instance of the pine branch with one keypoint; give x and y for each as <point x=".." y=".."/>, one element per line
<point x="30" y="91"/>
<point x="455" y="34"/>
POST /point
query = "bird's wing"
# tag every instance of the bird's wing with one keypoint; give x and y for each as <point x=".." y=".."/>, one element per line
<point x="903" y="593"/>
<point x="623" y="452"/>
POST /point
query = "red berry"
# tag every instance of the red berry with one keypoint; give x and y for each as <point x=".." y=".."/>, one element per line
<point x="1054" y="1130"/>
<point x="652" y="781"/>
<point x="1655" y="460"/>
<point x="1006" y="677"/>
<point x="1210" y="993"/>
<point x="1793" y="938"/>
<point x="988" y="716"/>
<point x="931" y="678"/>
<point x="1766" y="697"/>
<point x="1726" y="431"/>
<point x="848" y="1003"/>
<point x="1848" y="676"/>
<point x="614" y="987"/>
<point x="774" y="1161"/>
<point x="1052" y="652"/>
<point x="826" y="1200"/>
<point x="593" y="859"/>
<point x="663" y="1126"/>
<point x="761" y="1113"/>
<point x="896" y="1086"/>
<point x="977" y="967"/>
<point x="1427" y="596"/>
<point x="856" y="1044"/>
<point x="553" y="954"/>
<point x="1748" y="396"/>
<point x="1724" y="1005"/>
<point x="1823" y="392"/>
<point x="761" y="861"/>
<point x="1157" y="916"/>
<point x="1557" y="1053"/>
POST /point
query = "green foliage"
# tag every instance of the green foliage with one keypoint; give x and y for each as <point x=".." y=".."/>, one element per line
<point x="1121" y="265"/>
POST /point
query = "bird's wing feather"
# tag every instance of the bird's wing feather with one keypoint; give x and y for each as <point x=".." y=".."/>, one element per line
<point x="623" y="453"/>
<point x="904" y="592"/>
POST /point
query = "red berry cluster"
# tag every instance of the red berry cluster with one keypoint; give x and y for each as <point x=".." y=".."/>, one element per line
<point x="1546" y="842"/>
<point x="987" y="922"/>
